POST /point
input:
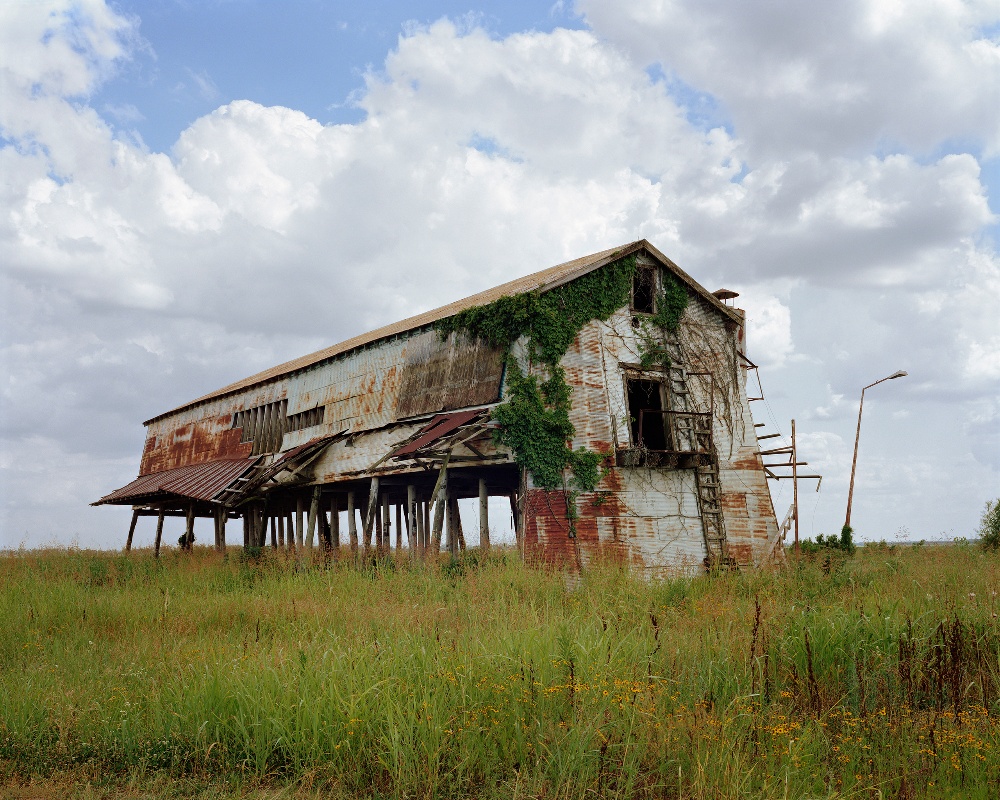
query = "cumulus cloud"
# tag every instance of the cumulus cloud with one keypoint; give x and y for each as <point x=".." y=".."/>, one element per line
<point x="135" y="280"/>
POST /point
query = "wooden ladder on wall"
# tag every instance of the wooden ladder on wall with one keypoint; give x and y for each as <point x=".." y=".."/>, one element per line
<point x="692" y="433"/>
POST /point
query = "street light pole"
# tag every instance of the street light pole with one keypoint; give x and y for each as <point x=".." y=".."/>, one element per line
<point x="857" y="436"/>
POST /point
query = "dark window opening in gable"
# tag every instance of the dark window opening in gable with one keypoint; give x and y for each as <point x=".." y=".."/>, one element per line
<point x="307" y="419"/>
<point x="644" y="290"/>
<point x="263" y="426"/>
<point x="646" y="417"/>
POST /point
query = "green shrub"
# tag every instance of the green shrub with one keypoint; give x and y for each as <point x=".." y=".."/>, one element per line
<point x="989" y="526"/>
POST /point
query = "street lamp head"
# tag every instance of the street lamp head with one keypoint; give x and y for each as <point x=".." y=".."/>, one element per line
<point x="900" y="373"/>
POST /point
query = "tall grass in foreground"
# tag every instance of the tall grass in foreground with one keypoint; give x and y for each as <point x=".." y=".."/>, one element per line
<point x="876" y="677"/>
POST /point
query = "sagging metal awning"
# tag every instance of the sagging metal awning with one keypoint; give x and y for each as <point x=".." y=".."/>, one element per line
<point x="201" y="482"/>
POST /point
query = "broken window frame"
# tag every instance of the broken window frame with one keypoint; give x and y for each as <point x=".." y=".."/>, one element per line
<point x="638" y="417"/>
<point x="648" y="304"/>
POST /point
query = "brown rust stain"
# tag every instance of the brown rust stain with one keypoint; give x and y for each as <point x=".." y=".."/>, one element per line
<point x="194" y="443"/>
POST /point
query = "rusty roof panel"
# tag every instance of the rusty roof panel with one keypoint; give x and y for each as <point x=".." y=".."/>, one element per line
<point x="196" y="482"/>
<point x="441" y="425"/>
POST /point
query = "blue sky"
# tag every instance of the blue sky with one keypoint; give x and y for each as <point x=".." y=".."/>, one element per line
<point x="195" y="191"/>
<point x="310" y="55"/>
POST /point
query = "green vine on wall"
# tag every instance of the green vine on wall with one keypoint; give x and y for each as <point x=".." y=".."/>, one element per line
<point x="671" y="302"/>
<point x="534" y="422"/>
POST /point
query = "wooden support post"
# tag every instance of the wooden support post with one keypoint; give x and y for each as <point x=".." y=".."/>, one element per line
<point x="384" y="517"/>
<point x="281" y="531"/>
<point x="246" y="527"/>
<point x="215" y="527"/>
<point x="274" y="532"/>
<point x="458" y="537"/>
<point x="438" y="501"/>
<point x="515" y="519"/>
<point x="421" y="531"/>
<point x="427" y="524"/>
<point x="335" y="525"/>
<point x="484" y="517"/>
<point x="223" y="516"/>
<point x="411" y="519"/>
<point x="131" y="530"/>
<point x="369" y="524"/>
<point x="159" y="534"/>
<point x="289" y="531"/>
<point x="299" y="512"/>
<point x="313" y="515"/>
<point x="352" y="524"/>
<point x="189" y="529"/>
<point x="399" y="527"/>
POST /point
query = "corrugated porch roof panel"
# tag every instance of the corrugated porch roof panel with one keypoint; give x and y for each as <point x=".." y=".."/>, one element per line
<point x="195" y="481"/>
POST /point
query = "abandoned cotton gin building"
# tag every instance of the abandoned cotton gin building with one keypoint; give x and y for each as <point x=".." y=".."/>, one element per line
<point x="605" y="397"/>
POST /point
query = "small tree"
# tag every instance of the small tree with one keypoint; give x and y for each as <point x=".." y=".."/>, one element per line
<point x="989" y="526"/>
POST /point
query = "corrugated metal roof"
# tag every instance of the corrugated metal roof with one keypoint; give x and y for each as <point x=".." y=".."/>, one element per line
<point x="441" y="425"/>
<point x="196" y="481"/>
<point x="538" y="281"/>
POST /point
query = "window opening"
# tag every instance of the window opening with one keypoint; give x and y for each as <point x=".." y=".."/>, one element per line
<point x="645" y="407"/>
<point x="263" y="426"/>
<point x="306" y="419"/>
<point x="644" y="290"/>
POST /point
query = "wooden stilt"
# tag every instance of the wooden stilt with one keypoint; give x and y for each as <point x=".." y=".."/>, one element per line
<point x="246" y="527"/>
<point x="384" y="516"/>
<point x="335" y="526"/>
<point x="223" y="516"/>
<point x="484" y="517"/>
<point x="457" y="517"/>
<point x="421" y="531"/>
<point x="426" y="513"/>
<point x="352" y="524"/>
<point x="451" y="544"/>
<point x="159" y="534"/>
<point x="274" y="532"/>
<point x="313" y="515"/>
<point x="372" y="512"/>
<point x="289" y="531"/>
<point x="399" y="527"/>
<point x="438" y="501"/>
<point x="281" y="531"/>
<point x="411" y="519"/>
<point x="131" y="530"/>
<point x="189" y="530"/>
<point x="299" y="512"/>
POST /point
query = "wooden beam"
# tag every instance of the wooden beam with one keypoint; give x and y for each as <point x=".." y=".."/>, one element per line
<point x="399" y="527"/>
<point x="131" y="531"/>
<point x="437" y="501"/>
<point x="313" y="517"/>
<point x="189" y="529"/>
<point x="299" y="514"/>
<point x="384" y="518"/>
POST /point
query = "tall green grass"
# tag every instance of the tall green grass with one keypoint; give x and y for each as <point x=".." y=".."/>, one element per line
<point x="877" y="676"/>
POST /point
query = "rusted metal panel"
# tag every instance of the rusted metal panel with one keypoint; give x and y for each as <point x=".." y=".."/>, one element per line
<point x="441" y="425"/>
<point x="195" y="482"/>
<point x="443" y="375"/>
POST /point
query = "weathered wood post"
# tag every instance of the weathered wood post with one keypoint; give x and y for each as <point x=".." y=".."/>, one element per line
<point x="352" y="524"/>
<point x="299" y="512"/>
<point x="421" y="531"/>
<point x="399" y="527"/>
<point x="411" y="519"/>
<point x="438" y="499"/>
<point x="189" y="529"/>
<point x="370" y="516"/>
<point x="384" y="517"/>
<point x="426" y="514"/>
<point x="449" y="523"/>
<point x="335" y="526"/>
<point x="159" y="534"/>
<point x="246" y="527"/>
<point x="313" y="517"/>
<point x="289" y="531"/>
<point x="281" y="531"/>
<point x="223" y="516"/>
<point x="131" y="529"/>
<point x="484" y="517"/>
<point x="274" y="531"/>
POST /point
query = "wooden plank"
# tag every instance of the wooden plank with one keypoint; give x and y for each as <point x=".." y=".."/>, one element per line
<point x="131" y="531"/>
<point x="484" y="517"/>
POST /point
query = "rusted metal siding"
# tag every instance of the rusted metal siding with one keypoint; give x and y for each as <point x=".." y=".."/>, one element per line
<point x="196" y="482"/>
<point x="651" y="517"/>
<point x="459" y="374"/>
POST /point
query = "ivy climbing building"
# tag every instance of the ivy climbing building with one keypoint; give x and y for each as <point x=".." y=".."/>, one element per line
<point x="604" y="399"/>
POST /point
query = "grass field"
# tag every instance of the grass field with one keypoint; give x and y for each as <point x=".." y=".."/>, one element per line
<point x="875" y="676"/>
